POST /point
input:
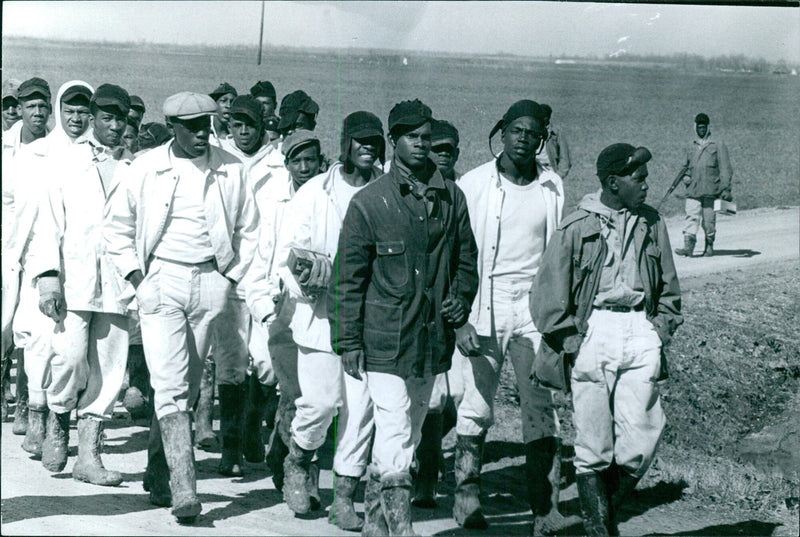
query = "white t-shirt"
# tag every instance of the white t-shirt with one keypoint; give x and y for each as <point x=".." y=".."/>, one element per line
<point x="523" y="224"/>
<point x="186" y="237"/>
<point x="343" y="192"/>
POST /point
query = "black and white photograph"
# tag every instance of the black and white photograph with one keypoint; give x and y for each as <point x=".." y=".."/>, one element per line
<point x="389" y="268"/>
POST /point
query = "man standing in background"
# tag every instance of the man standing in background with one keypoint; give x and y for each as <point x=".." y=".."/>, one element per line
<point x="10" y="103"/>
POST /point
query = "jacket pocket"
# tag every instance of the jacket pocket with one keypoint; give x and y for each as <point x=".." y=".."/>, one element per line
<point x="392" y="262"/>
<point x="382" y="330"/>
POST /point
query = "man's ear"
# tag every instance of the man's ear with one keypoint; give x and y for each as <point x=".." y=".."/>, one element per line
<point x="611" y="183"/>
<point x="391" y="140"/>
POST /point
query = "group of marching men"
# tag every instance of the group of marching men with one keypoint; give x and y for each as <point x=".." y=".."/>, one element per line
<point x="224" y="249"/>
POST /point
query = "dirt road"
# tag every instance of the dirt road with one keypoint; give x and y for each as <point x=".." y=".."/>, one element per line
<point x="36" y="503"/>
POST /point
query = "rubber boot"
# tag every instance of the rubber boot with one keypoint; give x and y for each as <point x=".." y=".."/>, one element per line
<point x="343" y="513"/>
<point x="295" y="470"/>
<point x="253" y="449"/>
<point x="312" y="485"/>
<point x="21" y="412"/>
<point x="156" y="476"/>
<point x="619" y="485"/>
<point x="543" y="478"/>
<point x="428" y="455"/>
<point x="176" y="436"/>
<point x="594" y="504"/>
<point x="275" y="457"/>
<point x="709" y="251"/>
<point x="34" y="436"/>
<point x="204" y="437"/>
<point x="89" y="468"/>
<point x="689" y="242"/>
<point x="467" y="504"/>
<point x="231" y="410"/>
<point x="374" y="519"/>
<point x="135" y="400"/>
<point x="55" y="448"/>
<point x="396" y="503"/>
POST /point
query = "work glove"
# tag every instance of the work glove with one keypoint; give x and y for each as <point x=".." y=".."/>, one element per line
<point x="51" y="298"/>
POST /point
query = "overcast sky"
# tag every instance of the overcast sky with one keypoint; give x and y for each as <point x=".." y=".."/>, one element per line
<point x="524" y="28"/>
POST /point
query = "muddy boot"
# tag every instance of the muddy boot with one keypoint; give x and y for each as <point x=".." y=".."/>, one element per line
<point x="396" y="503"/>
<point x="374" y="519"/>
<point x="89" y="468"/>
<point x="467" y="504"/>
<point x="21" y="412"/>
<point x="231" y="409"/>
<point x="312" y="485"/>
<point x="176" y="436"/>
<point x="619" y="485"/>
<point x="55" y="447"/>
<point x="204" y="437"/>
<point x="709" y="251"/>
<point x="5" y="375"/>
<point x="253" y="448"/>
<point x="594" y="504"/>
<point x="135" y="400"/>
<point x="543" y="477"/>
<point x="689" y="241"/>
<point x="295" y="486"/>
<point x="428" y="455"/>
<point x="343" y="513"/>
<point x="275" y="457"/>
<point x="34" y="436"/>
<point x="156" y="476"/>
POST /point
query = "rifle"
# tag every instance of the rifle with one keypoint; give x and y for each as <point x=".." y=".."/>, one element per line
<point x="673" y="186"/>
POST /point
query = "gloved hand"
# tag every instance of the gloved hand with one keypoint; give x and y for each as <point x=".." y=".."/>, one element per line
<point x="51" y="298"/>
<point x="726" y="195"/>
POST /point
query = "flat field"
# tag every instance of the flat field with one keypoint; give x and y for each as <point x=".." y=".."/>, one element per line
<point x="757" y="116"/>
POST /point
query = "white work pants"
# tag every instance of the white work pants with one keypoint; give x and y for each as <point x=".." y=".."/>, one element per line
<point x="400" y="406"/>
<point x="91" y="351"/>
<point x="177" y="304"/>
<point x="513" y="334"/>
<point x="617" y="409"/>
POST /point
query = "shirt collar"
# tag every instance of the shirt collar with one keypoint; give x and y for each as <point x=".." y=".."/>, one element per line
<point x="410" y="184"/>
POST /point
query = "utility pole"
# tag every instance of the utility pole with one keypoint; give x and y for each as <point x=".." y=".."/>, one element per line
<point x="261" y="33"/>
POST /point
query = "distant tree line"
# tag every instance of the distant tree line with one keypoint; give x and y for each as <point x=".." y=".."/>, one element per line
<point x="696" y="62"/>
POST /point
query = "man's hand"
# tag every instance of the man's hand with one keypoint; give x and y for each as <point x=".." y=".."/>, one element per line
<point x="51" y="298"/>
<point x="454" y="310"/>
<point x="355" y="363"/>
<point x="467" y="340"/>
<point x="314" y="281"/>
<point x="135" y="278"/>
<point x="726" y="195"/>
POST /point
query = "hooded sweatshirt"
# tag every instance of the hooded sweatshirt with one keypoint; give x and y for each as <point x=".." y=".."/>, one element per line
<point x="58" y="137"/>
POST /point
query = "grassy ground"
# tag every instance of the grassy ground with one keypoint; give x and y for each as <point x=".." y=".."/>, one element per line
<point x="734" y="368"/>
<point x="595" y="105"/>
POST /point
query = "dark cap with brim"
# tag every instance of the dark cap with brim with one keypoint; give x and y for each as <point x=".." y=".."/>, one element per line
<point x="111" y="96"/>
<point x="361" y="125"/>
<point x="137" y="103"/>
<point x="263" y="88"/>
<point x="621" y="160"/>
<point x="223" y="89"/>
<point x="409" y="114"/>
<point x="294" y="103"/>
<point x="523" y="108"/>
<point x="11" y="88"/>
<point x="443" y="130"/>
<point x="247" y="105"/>
<point x="33" y="86"/>
<point x="702" y="119"/>
<point x="77" y="90"/>
<point x="297" y="141"/>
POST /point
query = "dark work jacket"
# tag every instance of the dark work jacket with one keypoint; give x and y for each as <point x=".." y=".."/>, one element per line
<point x="393" y="271"/>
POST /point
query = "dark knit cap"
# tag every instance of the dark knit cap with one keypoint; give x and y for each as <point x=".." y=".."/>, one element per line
<point x="223" y="89"/>
<point x="621" y="159"/>
<point x="361" y="125"/>
<point x="271" y="124"/>
<point x="523" y="108"/>
<point x="248" y="106"/>
<point x="137" y="103"/>
<point x="410" y="114"/>
<point x="112" y="96"/>
<point x="32" y="86"/>
<point x="702" y="119"/>
<point x="263" y="88"/>
<point x="291" y="106"/>
<point x="442" y="129"/>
